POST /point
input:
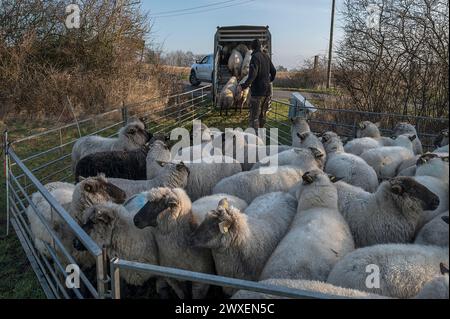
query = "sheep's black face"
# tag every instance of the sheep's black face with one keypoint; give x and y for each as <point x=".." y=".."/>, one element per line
<point x="407" y="187"/>
<point x="207" y="233"/>
<point x="426" y="158"/>
<point x="98" y="223"/>
<point x="148" y="215"/>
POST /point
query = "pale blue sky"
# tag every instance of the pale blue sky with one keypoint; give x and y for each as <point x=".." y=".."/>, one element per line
<point x="300" y="28"/>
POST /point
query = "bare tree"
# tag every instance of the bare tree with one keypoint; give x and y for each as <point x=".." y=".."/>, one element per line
<point x="401" y="63"/>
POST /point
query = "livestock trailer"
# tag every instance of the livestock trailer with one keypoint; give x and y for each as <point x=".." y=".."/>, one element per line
<point x="225" y="40"/>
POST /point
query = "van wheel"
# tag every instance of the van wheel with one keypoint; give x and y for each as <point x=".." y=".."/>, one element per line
<point x="193" y="79"/>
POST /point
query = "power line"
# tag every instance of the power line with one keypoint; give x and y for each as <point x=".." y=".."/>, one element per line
<point x="194" y="8"/>
<point x="206" y="10"/>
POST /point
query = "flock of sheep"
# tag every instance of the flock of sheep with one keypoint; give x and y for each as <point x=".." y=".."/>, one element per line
<point x="239" y="67"/>
<point x="328" y="214"/>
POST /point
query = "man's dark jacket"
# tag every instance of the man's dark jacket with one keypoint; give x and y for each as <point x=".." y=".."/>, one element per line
<point x="261" y="74"/>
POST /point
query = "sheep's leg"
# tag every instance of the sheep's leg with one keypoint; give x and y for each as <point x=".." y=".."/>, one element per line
<point x="162" y="288"/>
<point x="178" y="287"/>
<point x="199" y="290"/>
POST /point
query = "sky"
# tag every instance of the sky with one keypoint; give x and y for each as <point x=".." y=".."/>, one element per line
<point x="300" y="28"/>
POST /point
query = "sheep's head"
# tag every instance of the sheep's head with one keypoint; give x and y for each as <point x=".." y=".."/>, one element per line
<point x="407" y="189"/>
<point x="404" y="128"/>
<point x="426" y="158"/>
<point x="158" y="151"/>
<point x="219" y="229"/>
<point x="441" y="139"/>
<point x="311" y="191"/>
<point x="136" y="133"/>
<point x="96" y="190"/>
<point x="173" y="175"/>
<point x="165" y="210"/>
<point x="368" y="129"/>
<point x="99" y="222"/>
<point x="331" y="142"/>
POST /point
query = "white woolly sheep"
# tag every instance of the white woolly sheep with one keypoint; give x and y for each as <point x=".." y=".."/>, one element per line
<point x="403" y="128"/>
<point x="241" y="243"/>
<point x="348" y="167"/>
<point x="235" y="63"/>
<point x="208" y="203"/>
<point x="158" y="151"/>
<point x="305" y="159"/>
<point x="403" y="269"/>
<point x="169" y="175"/>
<point x="251" y="184"/>
<point x="74" y="199"/>
<point x="387" y="160"/>
<point x="434" y="232"/>
<point x="246" y="63"/>
<point x="437" y="288"/>
<point x="132" y="136"/>
<point x="110" y="226"/>
<point x="169" y="213"/>
<point x="358" y="146"/>
<point x="309" y="140"/>
<point x="390" y="215"/>
<point x="299" y="126"/>
<point x="442" y="139"/>
<point x="309" y="286"/>
<point x="442" y="150"/>
<point x="369" y="129"/>
<point x="432" y="172"/>
<point x="227" y="96"/>
<point x="318" y="236"/>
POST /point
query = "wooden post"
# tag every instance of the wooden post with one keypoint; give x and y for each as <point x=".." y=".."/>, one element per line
<point x="330" y="50"/>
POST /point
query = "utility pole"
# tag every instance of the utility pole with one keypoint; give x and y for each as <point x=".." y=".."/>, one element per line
<point x="330" y="50"/>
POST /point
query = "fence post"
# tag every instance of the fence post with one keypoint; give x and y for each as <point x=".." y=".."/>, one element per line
<point x="6" y="171"/>
<point x="124" y="113"/>
<point x="102" y="278"/>
<point x="115" y="278"/>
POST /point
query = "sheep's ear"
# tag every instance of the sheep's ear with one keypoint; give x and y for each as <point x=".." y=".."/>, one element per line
<point x="316" y="152"/>
<point x="377" y="124"/>
<point x="412" y="137"/>
<point x="307" y="179"/>
<point x="445" y="219"/>
<point x="224" y="226"/>
<point x="334" y="179"/>
<point x="302" y="136"/>
<point x="224" y="203"/>
<point x="444" y="268"/>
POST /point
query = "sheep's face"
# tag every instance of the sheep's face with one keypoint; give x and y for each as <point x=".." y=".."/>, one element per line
<point x="158" y="150"/>
<point x="217" y="229"/>
<point x="404" y="128"/>
<point x="442" y="139"/>
<point x="98" y="222"/>
<point x="136" y="133"/>
<point x="331" y="142"/>
<point x="164" y="210"/>
<point x="408" y="190"/>
<point x="368" y="129"/>
<point x="174" y="175"/>
<point x="97" y="190"/>
<point x="426" y="158"/>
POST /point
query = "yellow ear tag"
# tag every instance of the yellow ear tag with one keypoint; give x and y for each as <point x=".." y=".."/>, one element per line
<point x="223" y="227"/>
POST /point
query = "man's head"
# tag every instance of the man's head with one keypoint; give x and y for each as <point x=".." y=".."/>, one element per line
<point x="256" y="45"/>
